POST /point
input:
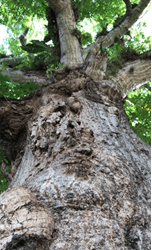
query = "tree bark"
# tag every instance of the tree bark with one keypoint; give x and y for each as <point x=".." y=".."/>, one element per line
<point x="80" y="176"/>
<point x="80" y="157"/>
<point x="28" y="76"/>
<point x="69" y="44"/>
<point x="132" y="74"/>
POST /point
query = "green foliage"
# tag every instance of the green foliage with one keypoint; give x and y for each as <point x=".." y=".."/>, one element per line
<point x="15" y="12"/>
<point x="9" y="89"/>
<point x="138" y="109"/>
<point x="99" y="10"/>
<point x="86" y="38"/>
<point x="25" y="62"/>
<point x="3" y="181"/>
<point x="2" y="49"/>
<point x="52" y="68"/>
<point x="45" y="58"/>
<point x="36" y="46"/>
<point x="135" y="42"/>
<point x="42" y="55"/>
<point x="14" y="46"/>
<point x="137" y="39"/>
<point x="115" y="51"/>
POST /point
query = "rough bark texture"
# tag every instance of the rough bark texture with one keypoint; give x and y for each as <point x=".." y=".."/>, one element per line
<point x="83" y="160"/>
<point x="69" y="44"/>
<point x="80" y="177"/>
<point x="133" y="74"/>
<point x="25" y="221"/>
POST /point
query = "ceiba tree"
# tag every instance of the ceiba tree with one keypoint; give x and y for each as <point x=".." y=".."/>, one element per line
<point x="80" y="177"/>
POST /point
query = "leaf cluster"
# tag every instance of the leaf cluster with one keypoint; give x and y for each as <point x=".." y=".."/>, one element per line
<point x="15" y="12"/>
<point x="127" y="48"/>
<point x="138" y="109"/>
<point x="137" y="39"/>
<point x="9" y="89"/>
<point x="3" y="181"/>
<point x="134" y="43"/>
<point x="86" y="38"/>
<point x="99" y="10"/>
<point x="36" y="46"/>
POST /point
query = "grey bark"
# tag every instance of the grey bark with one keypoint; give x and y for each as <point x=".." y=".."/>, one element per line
<point x="13" y="60"/>
<point x="22" y="212"/>
<point x="81" y="177"/>
<point x="83" y="160"/>
<point x="18" y="76"/>
<point x="69" y="44"/>
<point x="133" y="73"/>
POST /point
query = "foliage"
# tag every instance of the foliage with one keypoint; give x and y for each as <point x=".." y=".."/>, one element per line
<point x="128" y="47"/>
<point x="14" y="46"/>
<point x="135" y="42"/>
<point x="36" y="46"/>
<point x="2" y="49"/>
<point x="137" y="39"/>
<point x="3" y="181"/>
<point x="13" y="13"/>
<point x="138" y="109"/>
<point x="42" y="56"/>
<point x="9" y="89"/>
<point x="52" y="68"/>
<point x="86" y="38"/>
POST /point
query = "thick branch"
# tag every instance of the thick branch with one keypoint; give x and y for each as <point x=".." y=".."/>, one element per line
<point x="118" y="31"/>
<point x="69" y="44"/>
<point x="12" y="60"/>
<point x="18" y="77"/>
<point x="128" y="4"/>
<point x="133" y="74"/>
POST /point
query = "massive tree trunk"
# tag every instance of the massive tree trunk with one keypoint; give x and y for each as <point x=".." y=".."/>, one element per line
<point x="80" y="176"/>
<point x="76" y="152"/>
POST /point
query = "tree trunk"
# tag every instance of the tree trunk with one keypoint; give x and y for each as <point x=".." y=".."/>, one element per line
<point x="78" y="155"/>
<point x="80" y="177"/>
<point x="69" y="44"/>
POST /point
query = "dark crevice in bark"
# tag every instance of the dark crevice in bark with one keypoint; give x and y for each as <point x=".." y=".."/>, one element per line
<point x="21" y="242"/>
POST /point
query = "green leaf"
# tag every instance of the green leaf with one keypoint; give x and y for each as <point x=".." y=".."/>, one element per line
<point x="138" y="109"/>
<point x="36" y="46"/>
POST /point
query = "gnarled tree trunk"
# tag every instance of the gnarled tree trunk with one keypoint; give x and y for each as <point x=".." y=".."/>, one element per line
<point x="80" y="157"/>
<point x="80" y="176"/>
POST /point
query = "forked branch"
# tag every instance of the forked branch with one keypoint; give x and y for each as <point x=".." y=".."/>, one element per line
<point x="119" y="31"/>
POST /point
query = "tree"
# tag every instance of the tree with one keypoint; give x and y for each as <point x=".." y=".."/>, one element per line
<point x="80" y="175"/>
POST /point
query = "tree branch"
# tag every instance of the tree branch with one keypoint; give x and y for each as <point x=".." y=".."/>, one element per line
<point x="22" y="38"/>
<point x="122" y="29"/>
<point x="128" y="4"/>
<point x="19" y="77"/>
<point x="134" y="74"/>
<point x="69" y="44"/>
<point x="12" y="60"/>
